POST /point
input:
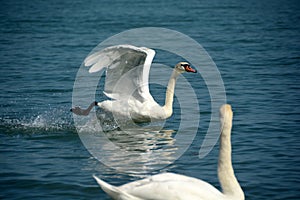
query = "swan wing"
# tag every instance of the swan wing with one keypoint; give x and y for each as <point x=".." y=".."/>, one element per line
<point x="127" y="70"/>
<point x="172" y="186"/>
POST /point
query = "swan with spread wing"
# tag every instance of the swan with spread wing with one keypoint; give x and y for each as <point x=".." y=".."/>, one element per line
<point x="126" y="83"/>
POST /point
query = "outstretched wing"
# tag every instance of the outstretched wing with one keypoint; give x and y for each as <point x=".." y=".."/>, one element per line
<point x="127" y="70"/>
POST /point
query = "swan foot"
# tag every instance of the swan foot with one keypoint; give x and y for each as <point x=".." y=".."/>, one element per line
<point x="84" y="112"/>
<point x="78" y="111"/>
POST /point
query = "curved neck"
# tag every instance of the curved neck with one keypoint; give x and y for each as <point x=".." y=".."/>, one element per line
<point x="168" y="107"/>
<point x="228" y="181"/>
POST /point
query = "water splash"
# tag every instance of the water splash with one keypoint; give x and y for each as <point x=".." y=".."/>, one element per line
<point x="52" y="120"/>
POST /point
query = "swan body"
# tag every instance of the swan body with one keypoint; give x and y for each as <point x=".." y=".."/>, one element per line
<point x="137" y="111"/>
<point x="165" y="186"/>
<point x="126" y="83"/>
<point x="170" y="186"/>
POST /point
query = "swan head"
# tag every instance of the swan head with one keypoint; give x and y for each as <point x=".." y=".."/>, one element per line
<point x="184" y="67"/>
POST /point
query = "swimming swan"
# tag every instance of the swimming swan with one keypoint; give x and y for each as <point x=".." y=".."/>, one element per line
<point x="126" y="83"/>
<point x="169" y="186"/>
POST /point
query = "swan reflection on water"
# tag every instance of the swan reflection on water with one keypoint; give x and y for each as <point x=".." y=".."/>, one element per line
<point x="146" y="151"/>
<point x="136" y="149"/>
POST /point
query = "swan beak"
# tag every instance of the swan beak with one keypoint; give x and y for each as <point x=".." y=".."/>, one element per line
<point x="189" y="69"/>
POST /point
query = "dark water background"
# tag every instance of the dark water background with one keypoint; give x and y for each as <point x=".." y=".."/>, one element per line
<point x="255" y="45"/>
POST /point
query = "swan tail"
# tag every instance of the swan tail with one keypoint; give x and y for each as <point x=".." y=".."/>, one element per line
<point x="114" y="191"/>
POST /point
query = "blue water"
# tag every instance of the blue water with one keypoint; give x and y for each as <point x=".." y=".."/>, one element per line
<point x="255" y="45"/>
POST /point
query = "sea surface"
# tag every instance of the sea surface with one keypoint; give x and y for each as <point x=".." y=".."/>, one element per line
<point x="254" y="44"/>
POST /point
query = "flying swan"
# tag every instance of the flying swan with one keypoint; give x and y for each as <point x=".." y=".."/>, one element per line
<point x="170" y="186"/>
<point x="126" y="83"/>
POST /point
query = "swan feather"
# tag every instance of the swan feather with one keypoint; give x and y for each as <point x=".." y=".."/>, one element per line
<point x="127" y="71"/>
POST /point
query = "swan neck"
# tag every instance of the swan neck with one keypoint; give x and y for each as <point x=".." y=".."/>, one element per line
<point x="228" y="181"/>
<point x="168" y="107"/>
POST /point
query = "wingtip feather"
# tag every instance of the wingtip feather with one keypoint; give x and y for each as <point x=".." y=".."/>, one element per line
<point x="113" y="191"/>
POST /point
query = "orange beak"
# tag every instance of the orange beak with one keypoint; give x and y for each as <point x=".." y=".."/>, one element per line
<point x="189" y="69"/>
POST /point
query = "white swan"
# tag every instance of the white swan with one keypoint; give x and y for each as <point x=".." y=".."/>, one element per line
<point x="126" y="83"/>
<point x="169" y="186"/>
